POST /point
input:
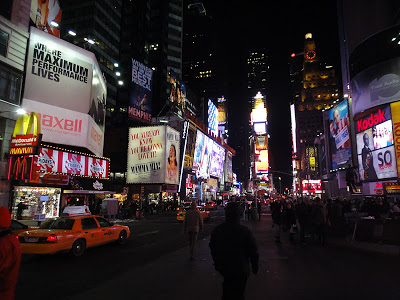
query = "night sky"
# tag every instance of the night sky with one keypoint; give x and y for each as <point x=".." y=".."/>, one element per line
<point x="280" y="27"/>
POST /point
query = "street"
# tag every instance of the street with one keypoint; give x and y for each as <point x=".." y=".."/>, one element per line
<point x="155" y="265"/>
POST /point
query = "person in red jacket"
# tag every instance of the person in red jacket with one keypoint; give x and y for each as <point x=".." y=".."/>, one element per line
<point x="10" y="256"/>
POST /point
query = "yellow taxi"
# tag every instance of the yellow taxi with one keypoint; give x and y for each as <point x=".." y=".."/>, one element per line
<point x="210" y="205"/>
<point x="72" y="234"/>
<point x="180" y="216"/>
<point x="17" y="227"/>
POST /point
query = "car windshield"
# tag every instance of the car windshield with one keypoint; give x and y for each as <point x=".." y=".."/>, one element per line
<point x="57" y="224"/>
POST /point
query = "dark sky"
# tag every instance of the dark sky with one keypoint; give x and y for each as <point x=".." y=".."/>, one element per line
<point x="280" y="27"/>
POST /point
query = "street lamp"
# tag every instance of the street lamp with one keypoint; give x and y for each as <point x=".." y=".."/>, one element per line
<point x="280" y="184"/>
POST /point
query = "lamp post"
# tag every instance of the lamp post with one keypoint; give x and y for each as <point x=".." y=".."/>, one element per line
<point x="280" y="185"/>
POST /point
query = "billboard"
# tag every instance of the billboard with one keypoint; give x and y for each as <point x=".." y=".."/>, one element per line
<point x="43" y="13"/>
<point x="212" y="117"/>
<point x="74" y="87"/>
<point x="202" y="152"/>
<point x="217" y="160"/>
<point x="190" y="146"/>
<point x="228" y="167"/>
<point x="153" y="155"/>
<point x="312" y="186"/>
<point x="375" y="145"/>
<point x="140" y="92"/>
<point x="339" y="135"/>
<point x="177" y="96"/>
<point x="376" y="85"/>
<point x="395" y="109"/>
<point x="262" y="165"/>
<point x="261" y="142"/>
<point x="56" y="161"/>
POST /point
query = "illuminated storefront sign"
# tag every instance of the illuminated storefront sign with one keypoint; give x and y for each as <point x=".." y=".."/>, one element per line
<point x="395" y="107"/>
<point x="26" y="136"/>
<point x="312" y="186"/>
<point x="212" y="117"/>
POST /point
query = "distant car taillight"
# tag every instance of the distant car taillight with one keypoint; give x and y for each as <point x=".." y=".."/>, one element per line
<point x="52" y="238"/>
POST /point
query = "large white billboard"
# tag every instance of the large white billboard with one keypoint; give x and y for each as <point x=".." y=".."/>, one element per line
<point x="67" y="127"/>
<point x="153" y="155"/>
<point x="63" y="75"/>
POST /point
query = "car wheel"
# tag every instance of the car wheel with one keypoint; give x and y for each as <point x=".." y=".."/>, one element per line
<point x="122" y="238"/>
<point x="78" y="248"/>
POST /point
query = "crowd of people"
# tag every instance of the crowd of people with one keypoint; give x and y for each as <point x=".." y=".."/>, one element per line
<point x="314" y="217"/>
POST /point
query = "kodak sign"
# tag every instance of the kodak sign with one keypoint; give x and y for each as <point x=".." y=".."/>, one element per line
<point x="395" y="107"/>
<point x="373" y="119"/>
<point x="26" y="135"/>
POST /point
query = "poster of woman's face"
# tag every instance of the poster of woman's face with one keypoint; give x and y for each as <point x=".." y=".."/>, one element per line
<point x="172" y="157"/>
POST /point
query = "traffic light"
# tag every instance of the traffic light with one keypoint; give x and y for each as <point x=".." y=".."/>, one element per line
<point x="142" y="189"/>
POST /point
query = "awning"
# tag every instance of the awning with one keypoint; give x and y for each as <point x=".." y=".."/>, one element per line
<point x="87" y="192"/>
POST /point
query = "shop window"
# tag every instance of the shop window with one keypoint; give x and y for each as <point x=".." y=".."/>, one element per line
<point x="88" y="223"/>
<point x="3" y="42"/>
<point x="10" y="85"/>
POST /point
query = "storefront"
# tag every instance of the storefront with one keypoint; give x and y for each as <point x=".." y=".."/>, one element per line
<point x="33" y="202"/>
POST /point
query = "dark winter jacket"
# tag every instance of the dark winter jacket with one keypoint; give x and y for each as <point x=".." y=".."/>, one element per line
<point x="232" y="248"/>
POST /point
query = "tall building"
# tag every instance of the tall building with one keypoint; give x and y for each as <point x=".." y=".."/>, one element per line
<point x="14" y="34"/>
<point x="258" y="72"/>
<point x="319" y="91"/>
<point x="96" y="26"/>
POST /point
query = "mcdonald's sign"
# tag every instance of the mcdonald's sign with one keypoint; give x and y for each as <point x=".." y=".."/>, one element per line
<point x="26" y="135"/>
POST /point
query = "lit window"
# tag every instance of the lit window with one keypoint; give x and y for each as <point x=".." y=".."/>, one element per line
<point x="3" y="43"/>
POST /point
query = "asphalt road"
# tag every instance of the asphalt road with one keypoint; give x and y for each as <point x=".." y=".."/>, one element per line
<point x="42" y="277"/>
<point x="154" y="265"/>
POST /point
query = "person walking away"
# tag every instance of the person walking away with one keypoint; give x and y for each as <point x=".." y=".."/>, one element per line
<point x="320" y="219"/>
<point x="259" y="209"/>
<point x="301" y="216"/>
<point x="192" y="224"/>
<point x="351" y="177"/>
<point x="291" y="221"/>
<point x="233" y="248"/>
<point x="277" y="217"/>
<point x="10" y="256"/>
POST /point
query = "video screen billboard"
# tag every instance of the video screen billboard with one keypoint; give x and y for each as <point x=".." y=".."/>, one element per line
<point x="202" y="152"/>
<point x="262" y="165"/>
<point x="375" y="145"/>
<point x="217" y="160"/>
<point x="177" y="96"/>
<point x="212" y="117"/>
<point x="339" y="135"/>
<point x="228" y="167"/>
<point x="43" y="13"/>
<point x="312" y="186"/>
<point x="190" y="147"/>
<point x="140" y="92"/>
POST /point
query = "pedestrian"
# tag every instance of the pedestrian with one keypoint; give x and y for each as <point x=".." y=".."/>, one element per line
<point x="301" y="216"/>
<point x="259" y="209"/>
<point x="233" y="247"/>
<point x="192" y="224"/>
<point x="290" y="219"/>
<point x="320" y="220"/>
<point x="10" y="256"/>
<point x="277" y="217"/>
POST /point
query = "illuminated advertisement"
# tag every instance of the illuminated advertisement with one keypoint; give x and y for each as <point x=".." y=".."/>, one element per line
<point x="376" y="85"/>
<point x="222" y="116"/>
<point x="339" y="135"/>
<point x="75" y="87"/>
<point x="261" y="142"/>
<point x="217" y="160"/>
<point x="56" y="161"/>
<point x="375" y="147"/>
<point x="262" y="165"/>
<point x="153" y="155"/>
<point x="395" y="108"/>
<point x="212" y="117"/>
<point x="228" y="167"/>
<point x="43" y="13"/>
<point x="312" y="186"/>
<point x="202" y="152"/>
<point x="177" y="96"/>
<point x="140" y="93"/>
<point x="190" y="146"/>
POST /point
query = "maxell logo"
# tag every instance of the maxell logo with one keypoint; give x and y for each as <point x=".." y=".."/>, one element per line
<point x="61" y="123"/>
<point x="374" y="119"/>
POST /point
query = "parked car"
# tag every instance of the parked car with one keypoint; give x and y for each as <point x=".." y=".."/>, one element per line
<point x="180" y="216"/>
<point x="72" y="234"/>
